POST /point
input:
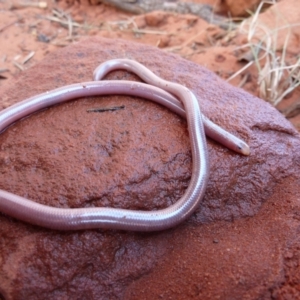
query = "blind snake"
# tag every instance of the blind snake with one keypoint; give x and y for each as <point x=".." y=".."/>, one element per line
<point x="158" y="90"/>
<point x="211" y="129"/>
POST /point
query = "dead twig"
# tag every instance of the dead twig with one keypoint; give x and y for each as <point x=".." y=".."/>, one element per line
<point x="65" y="16"/>
<point x="103" y="109"/>
<point x="19" y="66"/>
<point x="130" y="25"/>
<point x="244" y="80"/>
<point x="28" y="57"/>
<point x="41" y="4"/>
<point x="62" y="22"/>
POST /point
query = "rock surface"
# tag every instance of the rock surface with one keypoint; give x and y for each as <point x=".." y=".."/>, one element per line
<point x="242" y="242"/>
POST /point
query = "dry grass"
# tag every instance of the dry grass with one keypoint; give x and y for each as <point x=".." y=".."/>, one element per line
<point x="276" y="77"/>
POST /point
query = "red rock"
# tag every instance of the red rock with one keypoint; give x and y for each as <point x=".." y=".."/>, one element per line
<point x="242" y="242"/>
<point x="238" y="8"/>
<point x="156" y="18"/>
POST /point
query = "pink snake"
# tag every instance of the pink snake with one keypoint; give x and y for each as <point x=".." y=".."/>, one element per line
<point x="172" y="95"/>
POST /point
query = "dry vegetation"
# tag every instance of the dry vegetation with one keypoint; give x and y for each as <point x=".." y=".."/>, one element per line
<point x="276" y="76"/>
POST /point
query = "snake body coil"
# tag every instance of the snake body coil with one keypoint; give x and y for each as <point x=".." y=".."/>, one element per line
<point x="172" y="95"/>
